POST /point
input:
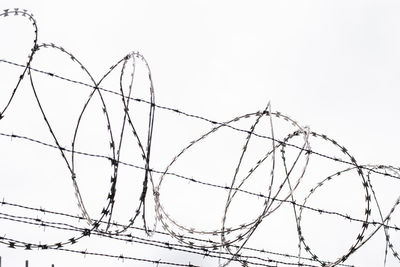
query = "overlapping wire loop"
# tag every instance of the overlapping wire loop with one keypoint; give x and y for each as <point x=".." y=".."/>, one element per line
<point x="283" y="164"/>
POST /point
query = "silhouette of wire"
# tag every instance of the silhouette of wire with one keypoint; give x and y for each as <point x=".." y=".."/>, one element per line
<point x="11" y="244"/>
<point x="194" y="116"/>
<point x="284" y="177"/>
<point x="131" y="238"/>
<point x="228" y="188"/>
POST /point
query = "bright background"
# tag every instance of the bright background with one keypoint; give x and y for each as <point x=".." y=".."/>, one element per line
<point x="331" y="65"/>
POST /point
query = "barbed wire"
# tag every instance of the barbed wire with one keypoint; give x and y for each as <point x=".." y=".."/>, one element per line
<point x="130" y="237"/>
<point x="283" y="180"/>
<point x="194" y="116"/>
<point x="11" y="244"/>
<point x="229" y="188"/>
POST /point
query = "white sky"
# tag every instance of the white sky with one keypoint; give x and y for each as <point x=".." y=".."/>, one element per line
<point x="330" y="65"/>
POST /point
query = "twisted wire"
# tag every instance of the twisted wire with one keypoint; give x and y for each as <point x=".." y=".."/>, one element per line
<point x="131" y="238"/>
<point x="230" y="240"/>
<point x="195" y="116"/>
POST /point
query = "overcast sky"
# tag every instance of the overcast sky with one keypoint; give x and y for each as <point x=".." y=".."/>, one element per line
<point x="331" y="65"/>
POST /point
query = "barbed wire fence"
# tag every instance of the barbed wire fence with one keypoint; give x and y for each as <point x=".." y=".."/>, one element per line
<point x="274" y="164"/>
